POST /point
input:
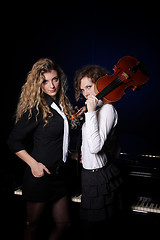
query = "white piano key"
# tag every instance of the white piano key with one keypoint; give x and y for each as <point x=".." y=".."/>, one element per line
<point x="76" y="198"/>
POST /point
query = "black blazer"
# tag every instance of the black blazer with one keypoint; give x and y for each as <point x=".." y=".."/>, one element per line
<point x="47" y="141"/>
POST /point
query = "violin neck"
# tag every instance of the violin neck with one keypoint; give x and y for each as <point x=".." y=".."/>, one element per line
<point x="114" y="84"/>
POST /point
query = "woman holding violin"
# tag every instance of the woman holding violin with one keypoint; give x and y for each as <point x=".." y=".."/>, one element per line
<point x="100" y="178"/>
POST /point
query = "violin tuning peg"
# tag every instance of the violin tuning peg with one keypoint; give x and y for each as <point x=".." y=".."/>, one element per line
<point x="134" y="88"/>
<point x="115" y="68"/>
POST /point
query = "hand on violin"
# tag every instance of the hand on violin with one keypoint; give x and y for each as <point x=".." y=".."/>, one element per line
<point x="91" y="103"/>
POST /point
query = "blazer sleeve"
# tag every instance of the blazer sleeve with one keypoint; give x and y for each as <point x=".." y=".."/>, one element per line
<point x="22" y="129"/>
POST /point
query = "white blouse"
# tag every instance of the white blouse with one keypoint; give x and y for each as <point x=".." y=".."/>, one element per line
<point x="94" y="133"/>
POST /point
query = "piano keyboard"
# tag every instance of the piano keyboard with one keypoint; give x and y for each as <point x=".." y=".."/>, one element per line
<point x="141" y="205"/>
<point x="76" y="198"/>
<point x="18" y="191"/>
<point x="146" y="205"/>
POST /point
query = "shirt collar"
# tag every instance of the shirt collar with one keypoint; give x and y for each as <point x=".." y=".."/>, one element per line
<point x="49" y="100"/>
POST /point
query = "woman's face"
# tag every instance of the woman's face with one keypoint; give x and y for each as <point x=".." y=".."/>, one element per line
<point x="50" y="85"/>
<point x="87" y="87"/>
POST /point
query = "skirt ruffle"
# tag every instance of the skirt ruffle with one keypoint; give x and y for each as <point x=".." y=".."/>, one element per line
<point x="100" y="193"/>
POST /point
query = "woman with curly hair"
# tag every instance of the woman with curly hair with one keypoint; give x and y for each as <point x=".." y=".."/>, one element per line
<point x="101" y="180"/>
<point x="43" y="113"/>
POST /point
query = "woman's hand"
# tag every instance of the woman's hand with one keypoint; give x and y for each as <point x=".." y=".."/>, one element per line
<point x="38" y="169"/>
<point x="91" y="103"/>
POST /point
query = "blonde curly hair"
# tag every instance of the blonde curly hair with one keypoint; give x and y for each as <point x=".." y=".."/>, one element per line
<point x="32" y="95"/>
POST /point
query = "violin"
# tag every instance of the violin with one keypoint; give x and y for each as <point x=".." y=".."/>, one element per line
<point x="129" y="72"/>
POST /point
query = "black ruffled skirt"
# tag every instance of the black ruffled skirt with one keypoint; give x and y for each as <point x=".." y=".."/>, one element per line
<point x="101" y="195"/>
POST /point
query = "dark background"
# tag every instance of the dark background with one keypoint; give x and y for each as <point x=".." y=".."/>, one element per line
<point x="80" y="33"/>
<point x="74" y="34"/>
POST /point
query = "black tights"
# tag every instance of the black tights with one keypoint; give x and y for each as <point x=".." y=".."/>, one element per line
<point x="60" y="215"/>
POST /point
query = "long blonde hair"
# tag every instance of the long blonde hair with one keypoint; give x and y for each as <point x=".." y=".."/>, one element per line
<point x="32" y="95"/>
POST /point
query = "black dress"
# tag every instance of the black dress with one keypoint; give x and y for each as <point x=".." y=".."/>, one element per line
<point x="47" y="143"/>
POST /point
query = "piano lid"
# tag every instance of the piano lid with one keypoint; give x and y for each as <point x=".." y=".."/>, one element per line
<point x="140" y="159"/>
<point x="141" y="165"/>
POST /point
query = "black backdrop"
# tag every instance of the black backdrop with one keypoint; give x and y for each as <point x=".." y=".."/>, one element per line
<point x="86" y="32"/>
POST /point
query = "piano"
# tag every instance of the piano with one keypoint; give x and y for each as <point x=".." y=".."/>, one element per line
<point x="142" y="175"/>
<point x="141" y="205"/>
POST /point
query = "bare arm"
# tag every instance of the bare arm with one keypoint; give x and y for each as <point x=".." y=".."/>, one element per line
<point x="37" y="168"/>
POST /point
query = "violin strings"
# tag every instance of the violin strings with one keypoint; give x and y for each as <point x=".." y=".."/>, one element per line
<point x="117" y="82"/>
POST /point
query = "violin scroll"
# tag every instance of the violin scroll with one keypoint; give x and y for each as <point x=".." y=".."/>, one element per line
<point x="78" y="113"/>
